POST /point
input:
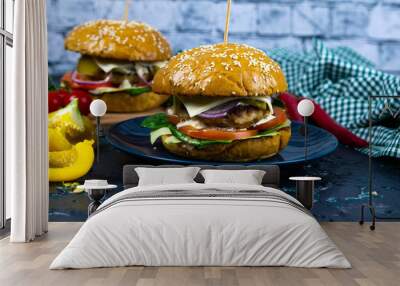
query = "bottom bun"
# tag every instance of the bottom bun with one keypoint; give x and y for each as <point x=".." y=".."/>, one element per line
<point x="238" y="151"/>
<point x="124" y="102"/>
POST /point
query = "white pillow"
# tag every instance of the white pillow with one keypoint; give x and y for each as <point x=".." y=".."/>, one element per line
<point x="166" y="176"/>
<point x="248" y="177"/>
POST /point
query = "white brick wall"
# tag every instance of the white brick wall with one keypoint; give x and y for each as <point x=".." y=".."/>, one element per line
<point x="274" y="19"/>
<point x="196" y="16"/>
<point x="384" y="23"/>
<point x="161" y="14"/>
<point x="390" y="55"/>
<point x="243" y="18"/>
<point x="371" y="27"/>
<point x="311" y="19"/>
<point x="349" y="20"/>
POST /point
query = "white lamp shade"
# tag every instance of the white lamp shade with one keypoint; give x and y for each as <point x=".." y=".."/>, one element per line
<point x="98" y="108"/>
<point x="305" y="107"/>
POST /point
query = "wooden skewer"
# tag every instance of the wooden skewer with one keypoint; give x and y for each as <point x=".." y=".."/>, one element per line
<point x="228" y="16"/>
<point x="126" y="10"/>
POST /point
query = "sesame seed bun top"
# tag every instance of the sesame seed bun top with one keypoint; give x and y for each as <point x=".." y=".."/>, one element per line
<point x="220" y="70"/>
<point x="120" y="40"/>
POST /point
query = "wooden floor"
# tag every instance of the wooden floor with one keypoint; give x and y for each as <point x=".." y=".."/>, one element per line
<point x="375" y="257"/>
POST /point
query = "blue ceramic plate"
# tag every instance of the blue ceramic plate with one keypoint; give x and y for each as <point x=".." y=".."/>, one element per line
<point x="130" y="137"/>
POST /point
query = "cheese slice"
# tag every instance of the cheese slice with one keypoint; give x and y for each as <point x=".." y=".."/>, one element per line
<point x="265" y="119"/>
<point x="196" y="104"/>
<point x="268" y="101"/>
<point x="109" y="65"/>
<point x="125" y="84"/>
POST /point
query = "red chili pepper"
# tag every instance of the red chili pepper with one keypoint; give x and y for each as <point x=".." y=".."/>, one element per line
<point x="323" y="120"/>
<point x="290" y="102"/>
<point x="346" y="137"/>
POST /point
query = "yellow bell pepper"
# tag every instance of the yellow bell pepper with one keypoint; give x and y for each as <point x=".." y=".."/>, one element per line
<point x="69" y="165"/>
<point x="57" y="140"/>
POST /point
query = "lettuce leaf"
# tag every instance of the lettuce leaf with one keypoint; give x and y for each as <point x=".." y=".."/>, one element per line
<point x="134" y="90"/>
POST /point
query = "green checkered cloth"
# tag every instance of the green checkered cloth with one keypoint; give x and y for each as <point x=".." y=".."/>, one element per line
<point x="340" y="81"/>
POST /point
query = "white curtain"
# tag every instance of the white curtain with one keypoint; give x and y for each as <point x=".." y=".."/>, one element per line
<point x="26" y="124"/>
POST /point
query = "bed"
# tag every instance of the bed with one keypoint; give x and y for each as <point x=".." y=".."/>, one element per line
<point x="198" y="224"/>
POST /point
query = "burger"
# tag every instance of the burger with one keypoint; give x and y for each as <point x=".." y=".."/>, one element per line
<point x="224" y="106"/>
<point x="118" y="62"/>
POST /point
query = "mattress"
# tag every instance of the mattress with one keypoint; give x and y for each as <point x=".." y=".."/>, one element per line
<point x="201" y="225"/>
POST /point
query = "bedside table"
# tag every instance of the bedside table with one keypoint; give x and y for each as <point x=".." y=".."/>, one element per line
<point x="305" y="189"/>
<point x="96" y="195"/>
<point x="96" y="190"/>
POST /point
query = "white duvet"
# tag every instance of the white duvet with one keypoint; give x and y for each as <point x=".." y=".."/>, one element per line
<point x="190" y="231"/>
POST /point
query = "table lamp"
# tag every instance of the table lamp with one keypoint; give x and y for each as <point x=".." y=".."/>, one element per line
<point x="98" y="108"/>
<point x="305" y="184"/>
<point x="305" y="108"/>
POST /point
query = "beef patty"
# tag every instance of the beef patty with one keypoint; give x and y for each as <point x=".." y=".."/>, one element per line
<point x="243" y="116"/>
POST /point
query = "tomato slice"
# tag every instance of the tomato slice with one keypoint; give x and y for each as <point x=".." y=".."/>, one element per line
<point x="280" y="117"/>
<point x="216" y="134"/>
<point x="174" y="119"/>
<point x="67" y="80"/>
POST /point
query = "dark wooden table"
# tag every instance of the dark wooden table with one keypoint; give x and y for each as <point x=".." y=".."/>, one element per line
<point x="337" y="197"/>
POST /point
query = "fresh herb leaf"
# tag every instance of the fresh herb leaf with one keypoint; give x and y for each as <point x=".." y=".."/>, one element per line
<point x="156" y="121"/>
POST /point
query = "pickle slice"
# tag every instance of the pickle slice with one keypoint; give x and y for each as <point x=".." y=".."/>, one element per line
<point x="255" y="103"/>
<point x="88" y="66"/>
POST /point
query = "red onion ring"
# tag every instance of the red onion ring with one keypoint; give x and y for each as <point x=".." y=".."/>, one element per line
<point x="220" y="110"/>
<point x="89" y="82"/>
<point x="146" y="82"/>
